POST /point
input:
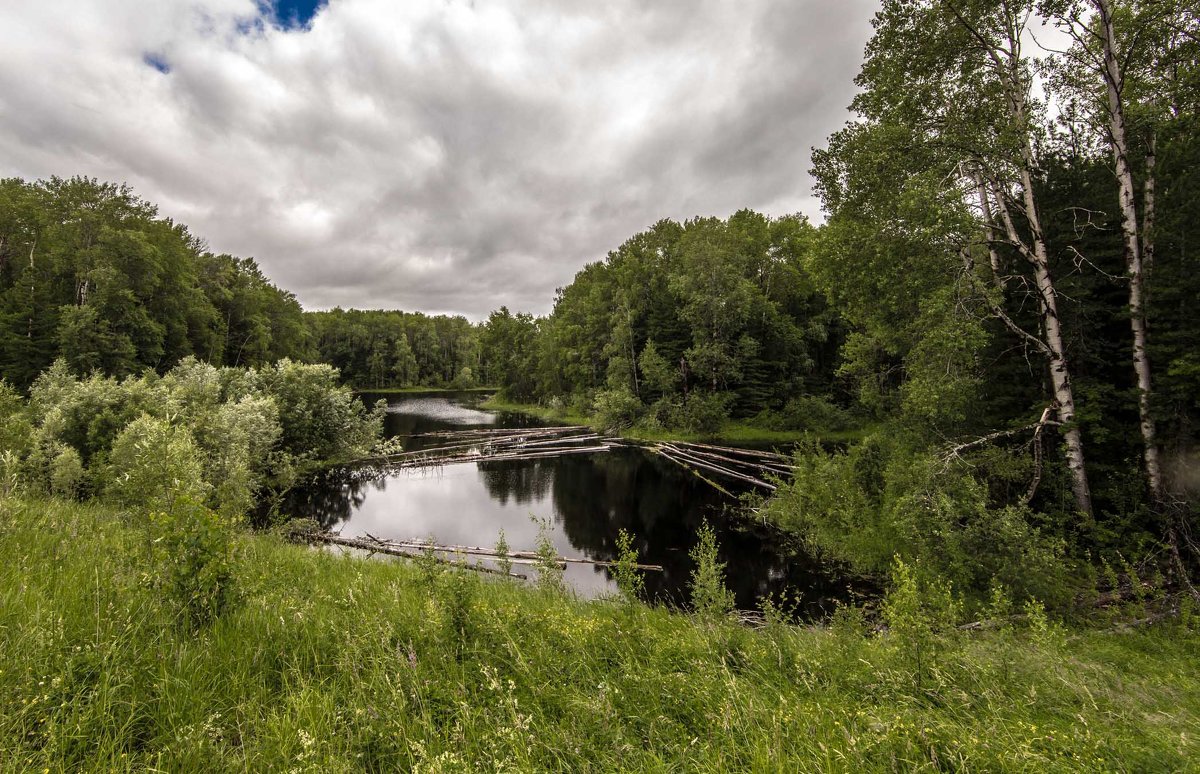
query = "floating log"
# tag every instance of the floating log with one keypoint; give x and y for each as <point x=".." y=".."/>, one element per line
<point x="737" y="450"/>
<point x="691" y="470"/>
<point x="745" y="463"/>
<point x="378" y="547"/>
<point x="522" y="556"/>
<point x="716" y="468"/>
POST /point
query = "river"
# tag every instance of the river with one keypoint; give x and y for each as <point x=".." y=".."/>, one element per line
<point x="583" y="500"/>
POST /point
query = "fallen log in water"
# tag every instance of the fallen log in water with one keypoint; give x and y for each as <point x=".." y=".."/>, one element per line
<point x="738" y="451"/>
<point x="380" y="547"/>
<point x="688" y="459"/>
<point x="503" y="431"/>
<point x="425" y="545"/>
<point x="772" y="467"/>
<point x="405" y="549"/>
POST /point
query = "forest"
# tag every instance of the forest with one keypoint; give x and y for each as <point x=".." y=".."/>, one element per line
<point x="984" y="358"/>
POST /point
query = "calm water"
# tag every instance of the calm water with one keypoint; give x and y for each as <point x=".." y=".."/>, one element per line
<point x="586" y="499"/>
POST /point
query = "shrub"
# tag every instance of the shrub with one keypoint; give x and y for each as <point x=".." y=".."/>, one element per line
<point x="919" y="613"/>
<point x="457" y="594"/>
<point x="320" y="419"/>
<point x="805" y="412"/>
<point x="699" y="412"/>
<point x="549" y="569"/>
<point x="710" y="599"/>
<point x="617" y="409"/>
<point x="154" y="465"/>
<point x="66" y="474"/>
<point x="192" y="565"/>
<point x="881" y="499"/>
<point x="624" y="571"/>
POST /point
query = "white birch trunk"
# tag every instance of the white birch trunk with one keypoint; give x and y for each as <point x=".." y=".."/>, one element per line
<point x="1133" y="248"/>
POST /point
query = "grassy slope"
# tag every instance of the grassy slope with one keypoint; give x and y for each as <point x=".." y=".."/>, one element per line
<point x="337" y="664"/>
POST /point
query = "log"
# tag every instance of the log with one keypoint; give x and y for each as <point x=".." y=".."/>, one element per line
<point x="383" y="548"/>
<point x="759" y="466"/>
<point x="737" y="450"/>
<point x="717" y="469"/>
<point x="516" y="556"/>
<point x="691" y="470"/>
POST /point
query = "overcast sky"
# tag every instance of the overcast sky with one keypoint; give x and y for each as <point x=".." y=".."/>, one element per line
<point x="434" y="155"/>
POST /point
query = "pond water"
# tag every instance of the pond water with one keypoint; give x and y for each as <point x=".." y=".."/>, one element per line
<point x="584" y="499"/>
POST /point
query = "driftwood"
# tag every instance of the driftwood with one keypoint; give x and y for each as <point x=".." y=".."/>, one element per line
<point x="738" y="451"/>
<point x="516" y="556"/>
<point x="751" y="468"/>
<point x="724" y="471"/>
<point x="376" y="546"/>
<point x="406" y="549"/>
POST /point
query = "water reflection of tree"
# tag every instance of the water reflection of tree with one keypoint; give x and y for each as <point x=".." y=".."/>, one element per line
<point x="331" y="498"/>
<point x="663" y="506"/>
<point x="522" y="481"/>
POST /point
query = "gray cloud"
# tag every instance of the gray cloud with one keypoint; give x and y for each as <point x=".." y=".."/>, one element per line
<point x="444" y="156"/>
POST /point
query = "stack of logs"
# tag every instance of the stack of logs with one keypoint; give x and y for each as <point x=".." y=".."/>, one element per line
<point x="761" y="469"/>
<point x="502" y="444"/>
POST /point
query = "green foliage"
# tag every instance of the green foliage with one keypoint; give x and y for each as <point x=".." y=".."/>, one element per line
<point x="457" y="591"/>
<point x="154" y="465"/>
<point x="320" y="419"/>
<point x="805" y="412"/>
<point x="192" y="563"/>
<point x="658" y="375"/>
<point x="67" y="476"/>
<point x="921" y="614"/>
<point x="628" y="577"/>
<point x="549" y="569"/>
<point x="881" y="498"/>
<point x="108" y="285"/>
<point x="211" y="434"/>
<point x="711" y="601"/>
<point x="376" y="348"/>
<point x="504" y="561"/>
<point x="617" y="409"/>
<point x="678" y="314"/>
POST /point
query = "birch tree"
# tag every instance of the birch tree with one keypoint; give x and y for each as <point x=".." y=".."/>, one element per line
<point x="954" y="78"/>
<point x="1120" y="68"/>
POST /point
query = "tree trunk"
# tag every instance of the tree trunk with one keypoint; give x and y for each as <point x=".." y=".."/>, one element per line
<point x="1060" y="374"/>
<point x="1133" y="248"/>
<point x="985" y="209"/>
<point x="1148" y="209"/>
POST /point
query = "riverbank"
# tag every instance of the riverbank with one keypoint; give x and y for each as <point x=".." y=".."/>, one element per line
<point x="327" y="663"/>
<point x="733" y="432"/>
<point x="421" y="390"/>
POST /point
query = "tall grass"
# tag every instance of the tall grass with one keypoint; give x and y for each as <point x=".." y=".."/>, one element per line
<point x="331" y="663"/>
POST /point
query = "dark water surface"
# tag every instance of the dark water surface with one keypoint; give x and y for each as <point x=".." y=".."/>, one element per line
<point x="586" y="499"/>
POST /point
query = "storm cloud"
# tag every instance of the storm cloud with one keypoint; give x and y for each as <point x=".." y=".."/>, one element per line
<point x="433" y="155"/>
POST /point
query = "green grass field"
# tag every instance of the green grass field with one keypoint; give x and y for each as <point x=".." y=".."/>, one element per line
<point x="327" y="663"/>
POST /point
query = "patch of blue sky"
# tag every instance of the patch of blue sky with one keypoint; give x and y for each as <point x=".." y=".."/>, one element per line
<point x="292" y="14"/>
<point x="157" y="61"/>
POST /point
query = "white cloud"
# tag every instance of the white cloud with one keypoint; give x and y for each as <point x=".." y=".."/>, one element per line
<point x="439" y="155"/>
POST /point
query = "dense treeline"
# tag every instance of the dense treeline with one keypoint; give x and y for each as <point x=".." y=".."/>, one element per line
<point x="375" y="348"/>
<point x="682" y="326"/>
<point x="91" y="273"/>
<point x="1020" y="287"/>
